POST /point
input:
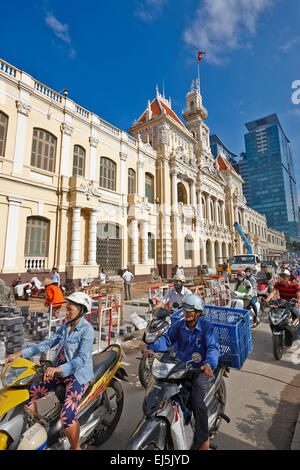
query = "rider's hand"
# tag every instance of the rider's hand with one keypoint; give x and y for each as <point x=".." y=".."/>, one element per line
<point x="207" y="370"/>
<point x="147" y="352"/>
<point x="50" y="371"/>
<point x="11" y="357"/>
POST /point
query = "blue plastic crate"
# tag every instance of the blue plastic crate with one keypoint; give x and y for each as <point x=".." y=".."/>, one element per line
<point x="232" y="328"/>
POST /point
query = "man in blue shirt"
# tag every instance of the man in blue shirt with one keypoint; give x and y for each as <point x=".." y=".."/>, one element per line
<point x="194" y="334"/>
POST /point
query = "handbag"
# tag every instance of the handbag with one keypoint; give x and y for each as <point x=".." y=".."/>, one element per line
<point x="182" y="434"/>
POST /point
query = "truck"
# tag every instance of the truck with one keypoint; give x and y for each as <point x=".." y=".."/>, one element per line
<point x="242" y="261"/>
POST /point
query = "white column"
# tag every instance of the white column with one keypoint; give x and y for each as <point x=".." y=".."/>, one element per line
<point x="124" y="177"/>
<point x="208" y="200"/>
<point x="200" y="208"/>
<point x="174" y="190"/>
<point x="75" y="248"/>
<point x="134" y="242"/>
<point x="66" y="130"/>
<point x="224" y="214"/>
<point x="12" y="231"/>
<point x="216" y="211"/>
<point x="93" y="158"/>
<point x="236" y="214"/>
<point x="145" y="258"/>
<point x="141" y="190"/>
<point x="23" y="113"/>
<point x="194" y="202"/>
<point x="93" y="238"/>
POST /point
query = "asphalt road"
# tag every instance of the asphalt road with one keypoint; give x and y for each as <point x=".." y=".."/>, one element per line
<point x="263" y="400"/>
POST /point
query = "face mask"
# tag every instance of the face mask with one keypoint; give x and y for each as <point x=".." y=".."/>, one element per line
<point x="240" y="278"/>
<point x="178" y="287"/>
<point x="248" y="274"/>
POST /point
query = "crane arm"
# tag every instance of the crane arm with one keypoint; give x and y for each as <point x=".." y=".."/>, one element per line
<point x="245" y="239"/>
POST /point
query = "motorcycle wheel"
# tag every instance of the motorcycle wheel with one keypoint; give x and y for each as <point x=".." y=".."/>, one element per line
<point x="262" y="305"/>
<point x="277" y="347"/>
<point x="115" y="395"/>
<point x="220" y="395"/>
<point x="145" y="374"/>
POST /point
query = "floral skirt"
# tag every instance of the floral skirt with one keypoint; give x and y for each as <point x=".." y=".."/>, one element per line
<point x="74" y="393"/>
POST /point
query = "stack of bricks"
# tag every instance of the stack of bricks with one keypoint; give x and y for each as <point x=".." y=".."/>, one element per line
<point x="11" y="329"/>
<point x="38" y="325"/>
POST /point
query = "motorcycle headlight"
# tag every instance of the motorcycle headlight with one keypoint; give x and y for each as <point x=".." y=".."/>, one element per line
<point x="178" y="374"/>
<point x="10" y="374"/>
<point x="160" y="370"/>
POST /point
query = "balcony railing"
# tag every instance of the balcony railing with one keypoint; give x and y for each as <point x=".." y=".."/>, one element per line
<point x="35" y="263"/>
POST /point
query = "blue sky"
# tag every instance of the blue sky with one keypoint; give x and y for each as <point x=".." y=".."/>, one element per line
<point x="111" y="55"/>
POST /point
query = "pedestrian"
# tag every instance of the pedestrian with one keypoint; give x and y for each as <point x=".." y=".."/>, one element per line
<point x="103" y="276"/>
<point x="127" y="276"/>
<point x="55" y="276"/>
<point x="54" y="296"/>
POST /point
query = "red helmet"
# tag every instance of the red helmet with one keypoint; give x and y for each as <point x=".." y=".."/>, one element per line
<point x="241" y="273"/>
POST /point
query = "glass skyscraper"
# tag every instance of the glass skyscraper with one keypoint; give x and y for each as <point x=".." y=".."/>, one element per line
<point x="271" y="175"/>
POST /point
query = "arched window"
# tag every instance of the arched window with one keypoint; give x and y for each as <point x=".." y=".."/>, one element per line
<point x="188" y="247"/>
<point x="192" y="105"/>
<point x="108" y="171"/>
<point x="3" y="132"/>
<point x="149" y="187"/>
<point x="43" y="150"/>
<point x="131" y="181"/>
<point x="181" y="193"/>
<point x="78" y="161"/>
<point x="36" y="239"/>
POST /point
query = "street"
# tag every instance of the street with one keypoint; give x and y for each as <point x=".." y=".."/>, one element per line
<point x="263" y="400"/>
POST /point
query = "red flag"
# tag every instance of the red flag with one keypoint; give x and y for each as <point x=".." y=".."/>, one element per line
<point x="199" y="56"/>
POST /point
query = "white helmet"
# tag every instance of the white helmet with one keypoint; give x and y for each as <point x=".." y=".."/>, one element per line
<point x="80" y="298"/>
<point x="179" y="277"/>
<point x="193" y="302"/>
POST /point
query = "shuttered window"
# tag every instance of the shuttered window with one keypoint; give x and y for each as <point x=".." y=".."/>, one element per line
<point x="43" y="150"/>
<point x="151" y="242"/>
<point x="188" y="247"/>
<point x="131" y="181"/>
<point x="36" y="239"/>
<point x="149" y="187"/>
<point x="78" y="161"/>
<point x="3" y="132"/>
<point x="107" y="174"/>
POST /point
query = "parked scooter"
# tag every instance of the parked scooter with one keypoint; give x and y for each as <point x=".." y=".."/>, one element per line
<point x="284" y="333"/>
<point x="172" y="381"/>
<point x="154" y="329"/>
<point x="37" y="287"/>
<point x="21" y="289"/>
<point x="98" y="413"/>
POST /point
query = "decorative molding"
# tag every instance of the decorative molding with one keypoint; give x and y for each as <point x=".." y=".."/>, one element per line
<point x="66" y="129"/>
<point x="23" y="108"/>
<point x="123" y="156"/>
<point x="93" y="142"/>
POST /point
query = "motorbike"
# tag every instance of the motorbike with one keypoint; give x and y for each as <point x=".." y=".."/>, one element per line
<point x="240" y="300"/>
<point x="21" y="289"/>
<point x="170" y="383"/>
<point x="284" y="333"/>
<point x="37" y="288"/>
<point x="155" y="328"/>
<point x="262" y="293"/>
<point x="98" y="413"/>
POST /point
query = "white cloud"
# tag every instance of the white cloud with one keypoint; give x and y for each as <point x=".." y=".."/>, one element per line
<point x="149" y="10"/>
<point x="61" y="31"/>
<point x="289" y="44"/>
<point x="221" y="26"/>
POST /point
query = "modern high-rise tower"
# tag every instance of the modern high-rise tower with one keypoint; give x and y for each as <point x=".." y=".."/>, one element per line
<point x="271" y="174"/>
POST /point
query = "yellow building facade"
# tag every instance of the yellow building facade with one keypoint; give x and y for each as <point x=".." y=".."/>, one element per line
<point x="80" y="194"/>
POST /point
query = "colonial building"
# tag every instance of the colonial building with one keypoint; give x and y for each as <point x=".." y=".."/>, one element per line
<point x="79" y="193"/>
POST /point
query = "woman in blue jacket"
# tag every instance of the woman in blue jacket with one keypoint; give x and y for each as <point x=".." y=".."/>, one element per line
<point x="73" y="361"/>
